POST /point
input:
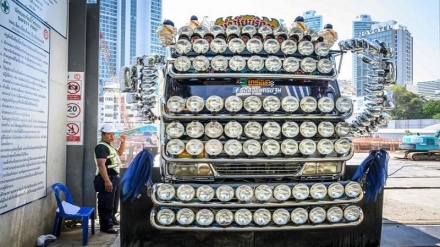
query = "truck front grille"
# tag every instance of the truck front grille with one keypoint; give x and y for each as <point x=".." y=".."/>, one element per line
<point x="257" y="169"/>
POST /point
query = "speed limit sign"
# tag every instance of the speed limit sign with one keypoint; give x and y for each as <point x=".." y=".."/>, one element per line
<point x="73" y="110"/>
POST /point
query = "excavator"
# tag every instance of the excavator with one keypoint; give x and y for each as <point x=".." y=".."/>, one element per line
<point x="419" y="147"/>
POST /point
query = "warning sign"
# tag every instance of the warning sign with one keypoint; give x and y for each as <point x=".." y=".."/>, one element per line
<point x="73" y="132"/>
<point x="73" y="110"/>
<point x="74" y="90"/>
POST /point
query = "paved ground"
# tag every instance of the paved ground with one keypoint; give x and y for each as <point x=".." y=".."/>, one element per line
<point x="411" y="216"/>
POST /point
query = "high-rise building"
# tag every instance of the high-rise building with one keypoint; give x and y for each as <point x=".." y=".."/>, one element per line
<point x="429" y="89"/>
<point x="399" y="39"/>
<point x="361" y="24"/>
<point x="127" y="29"/>
<point x="312" y="21"/>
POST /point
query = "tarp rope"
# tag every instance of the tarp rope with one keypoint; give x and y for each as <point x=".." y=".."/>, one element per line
<point x="374" y="169"/>
<point x="138" y="175"/>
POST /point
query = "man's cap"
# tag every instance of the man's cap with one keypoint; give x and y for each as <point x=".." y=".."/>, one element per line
<point x="328" y="26"/>
<point x="168" y="22"/>
<point x="299" y="18"/>
<point x="194" y="18"/>
<point x="108" y="128"/>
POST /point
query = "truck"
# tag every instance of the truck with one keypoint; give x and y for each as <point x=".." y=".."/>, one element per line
<point x="255" y="138"/>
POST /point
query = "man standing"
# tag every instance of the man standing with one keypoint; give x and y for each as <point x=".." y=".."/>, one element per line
<point x="107" y="177"/>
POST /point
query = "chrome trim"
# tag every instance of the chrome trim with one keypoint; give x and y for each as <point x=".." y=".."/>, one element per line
<point x="252" y="228"/>
<point x="251" y="117"/>
<point x="176" y="75"/>
<point x="257" y="160"/>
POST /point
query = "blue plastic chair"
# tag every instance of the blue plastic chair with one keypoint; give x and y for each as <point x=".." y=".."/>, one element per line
<point x="84" y="213"/>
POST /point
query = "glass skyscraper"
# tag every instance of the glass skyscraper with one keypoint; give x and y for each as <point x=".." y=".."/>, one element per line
<point x="312" y="21"/>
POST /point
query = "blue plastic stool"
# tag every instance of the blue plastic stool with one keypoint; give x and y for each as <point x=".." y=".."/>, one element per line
<point x="84" y="213"/>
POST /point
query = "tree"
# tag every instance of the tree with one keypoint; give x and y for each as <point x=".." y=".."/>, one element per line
<point x="430" y="109"/>
<point x="408" y="105"/>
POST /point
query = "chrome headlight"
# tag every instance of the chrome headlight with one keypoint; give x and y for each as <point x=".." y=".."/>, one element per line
<point x="176" y="104"/>
<point x="312" y="168"/>
<point x="307" y="147"/>
<point x="299" y="216"/>
<point x="225" y="193"/>
<point x="175" y="130"/>
<point x="352" y="213"/>
<point x="326" y="129"/>
<point x="183" y="46"/>
<point x="271" y="129"/>
<point x="273" y="63"/>
<point x="255" y="63"/>
<point x="344" y="104"/>
<point x="251" y="30"/>
<point x="252" y="104"/>
<point x="326" y="105"/>
<point x="322" y="49"/>
<point x="204" y="217"/>
<point x="271" y="147"/>
<point x="195" y="129"/>
<point x="353" y="189"/>
<point x="213" y="147"/>
<point x="308" y="104"/>
<point x="233" y="29"/>
<point x="182" y="64"/>
<point x="281" y="216"/>
<point x="300" y="191"/>
<point x="185" y="30"/>
<point x="334" y="214"/>
<point x="185" y="216"/>
<point x="325" y="146"/>
<point x="233" y="129"/>
<point x="317" y="215"/>
<point x="214" y="103"/>
<point x="205" y="193"/>
<point x="342" y="146"/>
<point x="201" y="63"/>
<point x="201" y="30"/>
<point x="254" y="45"/>
<point x="216" y="30"/>
<point x="236" y="45"/>
<point x="325" y="66"/>
<point x="271" y="103"/>
<point x="342" y="129"/>
<point x="213" y="129"/>
<point x="289" y="147"/>
<point x="282" y="192"/>
<point x="224" y="217"/>
<point x="253" y="129"/>
<point x="175" y="147"/>
<point x="185" y="193"/>
<point x="201" y="46"/>
<point x="308" y="129"/>
<point x="335" y="190"/>
<point x="165" y="192"/>
<point x="271" y="46"/>
<point x="262" y="217"/>
<point x="263" y="192"/>
<point x="219" y="63"/>
<point x="218" y="45"/>
<point x="291" y="64"/>
<point x="305" y="48"/>
<point x="288" y="47"/>
<point x="251" y="147"/>
<point x="308" y="64"/>
<point x="233" y="147"/>
<point x="265" y="30"/>
<point x="194" y="104"/>
<point x="165" y="217"/>
<point x="244" y="193"/>
<point x="233" y="104"/>
<point x="289" y="104"/>
<point x="318" y="191"/>
<point x="194" y="147"/>
<point x="243" y="217"/>
<point x="237" y="63"/>
<point x="290" y="129"/>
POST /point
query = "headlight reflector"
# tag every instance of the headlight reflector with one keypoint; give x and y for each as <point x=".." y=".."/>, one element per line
<point x="201" y="63"/>
<point x="262" y="217"/>
<point x="271" y="46"/>
<point x="219" y="63"/>
<point x="182" y="64"/>
<point x="289" y="147"/>
<point x="307" y="147"/>
<point x="252" y="104"/>
<point x="299" y="216"/>
<point x="308" y="104"/>
<point x="325" y="146"/>
<point x="271" y="129"/>
<point x="213" y="147"/>
<point x="317" y="215"/>
<point x="185" y="216"/>
<point x="233" y="147"/>
<point x="237" y="63"/>
<point x="282" y="192"/>
<point x="233" y="129"/>
<point x="335" y="190"/>
<point x="255" y="63"/>
<point x="300" y="191"/>
<point x="214" y="103"/>
<point x="290" y="129"/>
<point x="185" y="193"/>
<point x="352" y="213"/>
<point x="326" y="129"/>
<point x="308" y="64"/>
<point x="183" y="46"/>
<point x="253" y="129"/>
<point x="236" y="45"/>
<point x="263" y="192"/>
<point x="318" y="191"/>
<point x="201" y="46"/>
<point x="205" y="217"/>
<point x="218" y="45"/>
<point x="288" y="47"/>
<point x="342" y="146"/>
<point x="334" y="214"/>
<point x="165" y="192"/>
<point x="213" y="129"/>
<point x="225" y="193"/>
<point x="175" y="130"/>
<point x="254" y="45"/>
<point x="325" y="66"/>
<point x="342" y="129"/>
<point x="233" y="104"/>
<point x="251" y="147"/>
<point x="243" y="217"/>
<point x="271" y="103"/>
<point x="322" y="49"/>
<point x="224" y="217"/>
<point x="194" y="104"/>
<point x="305" y="47"/>
<point x="176" y="104"/>
<point x="273" y="63"/>
<point x="291" y="64"/>
<point x="195" y="129"/>
<point x="353" y="189"/>
<point x="281" y="216"/>
<point x="326" y="105"/>
<point x="344" y="104"/>
<point x="244" y="193"/>
<point x="308" y="129"/>
<point x="175" y="147"/>
<point x="166" y="217"/>
<point x="205" y="193"/>
<point x="271" y="147"/>
<point x="194" y="147"/>
<point x="290" y="104"/>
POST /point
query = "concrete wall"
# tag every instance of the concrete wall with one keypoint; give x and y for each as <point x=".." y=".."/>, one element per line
<point x="22" y="226"/>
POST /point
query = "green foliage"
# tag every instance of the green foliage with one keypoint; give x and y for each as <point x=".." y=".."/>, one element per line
<point x="408" y="104"/>
<point x="431" y="108"/>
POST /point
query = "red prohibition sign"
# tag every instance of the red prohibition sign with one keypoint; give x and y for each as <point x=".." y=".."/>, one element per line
<point x="73" y="87"/>
<point x="72" y="129"/>
<point x="77" y="76"/>
<point x="73" y="110"/>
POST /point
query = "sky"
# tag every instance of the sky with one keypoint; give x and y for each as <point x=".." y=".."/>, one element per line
<point x="421" y="17"/>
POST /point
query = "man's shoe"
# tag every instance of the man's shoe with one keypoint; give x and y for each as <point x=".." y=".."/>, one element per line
<point x="110" y="231"/>
<point x="115" y="221"/>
